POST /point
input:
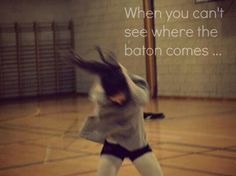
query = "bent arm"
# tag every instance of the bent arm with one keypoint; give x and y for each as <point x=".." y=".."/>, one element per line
<point x="138" y="88"/>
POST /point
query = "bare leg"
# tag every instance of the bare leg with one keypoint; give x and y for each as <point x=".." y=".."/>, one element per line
<point x="147" y="165"/>
<point x="108" y="165"/>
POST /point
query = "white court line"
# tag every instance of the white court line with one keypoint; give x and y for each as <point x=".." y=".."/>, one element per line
<point x="169" y="136"/>
<point x="36" y="113"/>
<point x="188" y="133"/>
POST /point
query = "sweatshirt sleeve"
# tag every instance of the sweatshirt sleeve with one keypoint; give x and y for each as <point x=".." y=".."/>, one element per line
<point x="139" y="88"/>
<point x="96" y="94"/>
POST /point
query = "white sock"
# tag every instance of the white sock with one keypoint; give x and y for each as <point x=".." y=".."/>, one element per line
<point x="108" y="165"/>
<point x="147" y="165"/>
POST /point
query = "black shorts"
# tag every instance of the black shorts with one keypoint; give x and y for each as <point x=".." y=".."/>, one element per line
<point x="120" y="152"/>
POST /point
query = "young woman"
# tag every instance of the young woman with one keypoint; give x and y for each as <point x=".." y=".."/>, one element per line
<point x="118" y="121"/>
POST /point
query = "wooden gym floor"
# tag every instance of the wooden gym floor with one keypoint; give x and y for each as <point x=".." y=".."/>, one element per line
<point x="40" y="138"/>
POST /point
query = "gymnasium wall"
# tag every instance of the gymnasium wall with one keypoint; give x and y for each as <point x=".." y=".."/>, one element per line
<point x="102" y="23"/>
<point x="198" y="76"/>
<point x="34" y="10"/>
<point x="28" y="63"/>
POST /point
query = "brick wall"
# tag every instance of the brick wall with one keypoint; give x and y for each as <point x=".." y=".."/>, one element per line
<point x="22" y="74"/>
<point x="34" y="10"/>
<point x="102" y="23"/>
<point x="198" y="76"/>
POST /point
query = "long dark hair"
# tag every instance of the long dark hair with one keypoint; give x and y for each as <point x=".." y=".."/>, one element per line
<point x="108" y="69"/>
